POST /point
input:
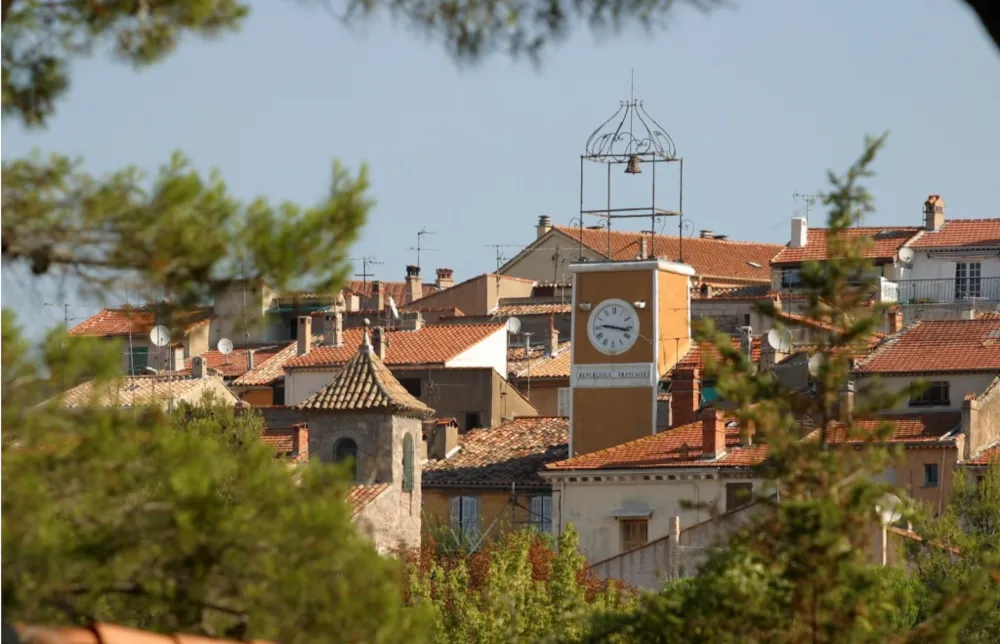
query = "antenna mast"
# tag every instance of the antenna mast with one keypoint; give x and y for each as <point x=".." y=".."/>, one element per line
<point x="809" y="201"/>
<point x="419" y="247"/>
<point x="366" y="261"/>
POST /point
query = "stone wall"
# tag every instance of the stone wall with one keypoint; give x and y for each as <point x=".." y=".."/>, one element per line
<point x="981" y="419"/>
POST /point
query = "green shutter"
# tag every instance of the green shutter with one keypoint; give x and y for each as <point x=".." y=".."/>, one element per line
<point x="408" y="463"/>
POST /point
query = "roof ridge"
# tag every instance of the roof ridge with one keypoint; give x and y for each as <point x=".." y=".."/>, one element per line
<point x="563" y="229"/>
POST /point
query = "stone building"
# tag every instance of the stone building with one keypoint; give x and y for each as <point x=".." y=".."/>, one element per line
<point x="366" y="417"/>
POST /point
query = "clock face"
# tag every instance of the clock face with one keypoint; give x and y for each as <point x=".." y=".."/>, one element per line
<point x="613" y="327"/>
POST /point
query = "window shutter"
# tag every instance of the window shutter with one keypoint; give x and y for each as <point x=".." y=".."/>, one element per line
<point x="455" y="514"/>
<point x="408" y="463"/>
<point x="536" y="509"/>
<point x="546" y="513"/>
<point x="564" y="401"/>
<point x="470" y="518"/>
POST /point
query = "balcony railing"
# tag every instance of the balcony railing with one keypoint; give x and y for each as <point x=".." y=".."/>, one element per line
<point x="944" y="291"/>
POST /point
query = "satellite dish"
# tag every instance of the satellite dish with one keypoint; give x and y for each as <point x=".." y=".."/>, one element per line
<point x="160" y="335"/>
<point x="815" y="363"/>
<point x="889" y="509"/>
<point x="906" y="254"/>
<point x="225" y="346"/>
<point x="392" y="307"/>
<point x="513" y="325"/>
<point x="780" y="339"/>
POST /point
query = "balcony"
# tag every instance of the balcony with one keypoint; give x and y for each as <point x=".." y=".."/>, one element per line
<point x="946" y="291"/>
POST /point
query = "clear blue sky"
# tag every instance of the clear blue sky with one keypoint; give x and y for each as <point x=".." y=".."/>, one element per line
<point x="761" y="101"/>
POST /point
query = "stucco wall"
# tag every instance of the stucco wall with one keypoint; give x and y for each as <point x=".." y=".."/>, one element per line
<point x="302" y="383"/>
<point x="258" y="397"/>
<point x="497" y="515"/>
<point x="538" y="264"/>
<point x="543" y="394"/>
<point x="983" y="422"/>
<point x="961" y="384"/>
<point x="489" y="352"/>
<point x="478" y="295"/>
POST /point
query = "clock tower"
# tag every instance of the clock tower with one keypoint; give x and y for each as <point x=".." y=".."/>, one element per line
<point x="631" y="325"/>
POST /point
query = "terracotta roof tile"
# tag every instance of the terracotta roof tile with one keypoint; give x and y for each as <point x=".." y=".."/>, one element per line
<point x="886" y="242"/>
<point x="938" y="346"/>
<point x="234" y="364"/>
<point x="139" y="322"/>
<point x="518" y="356"/>
<point x="709" y="257"/>
<point x="679" y="447"/>
<point x="550" y="308"/>
<point x="961" y="233"/>
<point x="751" y="292"/>
<point x="398" y="291"/>
<point x="906" y="428"/>
<point x="988" y="315"/>
<point x="433" y="344"/>
<point x="985" y="457"/>
<point x="365" y="384"/>
<point x="700" y="353"/>
<point x="361" y="495"/>
<point x="285" y="442"/>
<point x="802" y="320"/>
<point x="273" y="368"/>
<point x="544" y="366"/>
<point x="132" y="390"/>
<point x="512" y="453"/>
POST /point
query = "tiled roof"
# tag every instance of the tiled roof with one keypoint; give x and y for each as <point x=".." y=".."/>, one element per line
<point x="801" y="320"/>
<point x="988" y="315"/>
<point x="139" y="322"/>
<point x="398" y="291"/>
<point x="365" y="384"/>
<point x="235" y="364"/>
<point x="699" y="354"/>
<point x="507" y="310"/>
<point x="517" y="356"/>
<point x="906" y="428"/>
<point x="450" y="310"/>
<point x="268" y="371"/>
<point x="961" y="233"/>
<point x="885" y="244"/>
<point x="512" y="453"/>
<point x="939" y="346"/>
<point x="751" y="292"/>
<point x="131" y="390"/>
<point x="679" y="447"/>
<point x="708" y="257"/>
<point x="543" y="366"/>
<point x="985" y="457"/>
<point x="110" y="634"/>
<point x="284" y="442"/>
<point x="361" y="495"/>
<point x="433" y="344"/>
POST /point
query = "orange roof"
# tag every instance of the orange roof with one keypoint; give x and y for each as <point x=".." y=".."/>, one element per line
<point x="550" y="308"/>
<point x="398" y="291"/>
<point x="235" y="364"/>
<point x="509" y="454"/>
<point x="544" y="366"/>
<point x="362" y="494"/>
<point x="925" y="427"/>
<point x="679" y="447"/>
<point x="517" y="356"/>
<point x="885" y="244"/>
<point x="937" y="346"/>
<point x="708" y="257"/>
<point x="433" y="344"/>
<point x="273" y="368"/>
<point x="962" y="233"/>
<point x="110" y="634"/>
<point x="129" y="391"/>
<point x="698" y="355"/>
<point x="802" y="320"/>
<point x="985" y="457"/>
<point x="988" y="315"/>
<point x="752" y="292"/>
<point x="138" y="321"/>
<point x="285" y="442"/>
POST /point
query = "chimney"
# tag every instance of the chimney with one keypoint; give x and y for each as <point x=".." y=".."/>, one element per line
<point x="706" y="234"/>
<point x="713" y="433"/>
<point x="378" y="343"/>
<point x="198" y="369"/>
<point x="444" y="438"/>
<point x="351" y="303"/>
<point x="747" y="431"/>
<point x="444" y="278"/>
<point x="414" y="285"/>
<point x="333" y="328"/>
<point x="305" y="334"/>
<point x="250" y="353"/>
<point x="706" y="290"/>
<point x="847" y="402"/>
<point x="553" y="336"/>
<point x="933" y="213"/>
<point x="544" y="226"/>
<point x="377" y="301"/>
<point x="685" y="396"/>
<point x="178" y="358"/>
<point x="746" y="342"/>
<point x="411" y="321"/>
<point x="300" y="442"/>
<point x="722" y="237"/>
<point x="643" y="248"/>
<point x="800" y="233"/>
<point x="895" y="320"/>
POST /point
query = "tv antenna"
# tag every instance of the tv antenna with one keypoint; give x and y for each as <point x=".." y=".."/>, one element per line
<point x="808" y="200"/>
<point x="366" y="262"/>
<point x="420" y="240"/>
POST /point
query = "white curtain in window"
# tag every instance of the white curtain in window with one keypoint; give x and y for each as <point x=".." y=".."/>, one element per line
<point x="564" y="401"/>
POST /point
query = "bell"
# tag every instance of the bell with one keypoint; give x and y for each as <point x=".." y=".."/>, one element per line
<point x="633" y="165"/>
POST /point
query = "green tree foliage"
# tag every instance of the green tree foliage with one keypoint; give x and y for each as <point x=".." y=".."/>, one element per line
<point x="185" y="523"/>
<point x="800" y="570"/>
<point x="957" y="550"/>
<point x="515" y="589"/>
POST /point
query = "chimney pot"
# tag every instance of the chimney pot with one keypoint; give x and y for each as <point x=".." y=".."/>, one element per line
<point x="411" y="321"/>
<point x="933" y="213"/>
<point x="198" y="369"/>
<point x="847" y="402"/>
<point x="706" y="234"/>
<point x="414" y="285"/>
<point x="305" y="335"/>
<point x="713" y="430"/>
<point x="544" y="225"/>
<point x="444" y="278"/>
<point x="443" y="439"/>
<point x="643" y="248"/>
<point x="250" y="353"/>
<point x="895" y="320"/>
<point x="301" y="442"/>
<point x="800" y="233"/>
<point x="377" y="301"/>
<point x="685" y="396"/>
<point x="333" y="328"/>
<point x="553" y="336"/>
<point x="378" y="343"/>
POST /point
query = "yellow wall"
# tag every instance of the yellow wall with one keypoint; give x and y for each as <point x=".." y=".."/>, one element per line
<point x="674" y="320"/>
<point x="544" y="394"/>
<point x="258" y="397"/>
<point x="495" y="509"/>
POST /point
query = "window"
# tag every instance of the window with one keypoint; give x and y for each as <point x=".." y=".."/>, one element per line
<point x="746" y="319"/>
<point x="412" y="386"/>
<point x="408" y="463"/>
<point x="279" y="395"/>
<point x="541" y="513"/>
<point x="930" y="475"/>
<point x="708" y="392"/>
<point x="738" y="495"/>
<point x="472" y="420"/>
<point x="968" y="280"/>
<point x="465" y="518"/>
<point x="635" y="533"/>
<point x="293" y="329"/>
<point x="564" y="398"/>
<point x="937" y="394"/>
<point x="346" y="449"/>
<point x="790" y="277"/>
<point x="138" y="360"/>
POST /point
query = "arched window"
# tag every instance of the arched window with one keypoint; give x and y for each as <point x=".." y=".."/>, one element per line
<point x="408" y="463"/>
<point x="346" y="449"/>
